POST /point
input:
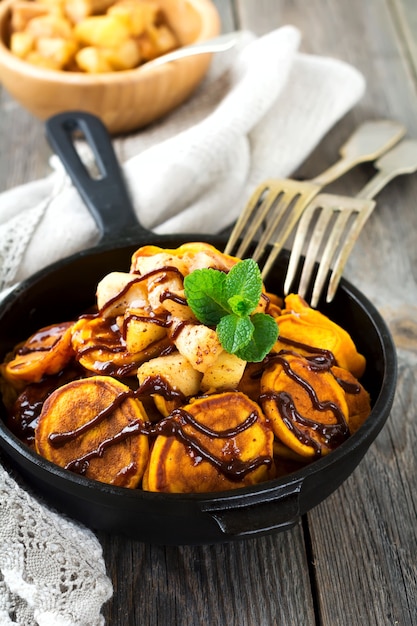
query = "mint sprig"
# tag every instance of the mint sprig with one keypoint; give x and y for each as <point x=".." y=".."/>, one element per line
<point x="227" y="302"/>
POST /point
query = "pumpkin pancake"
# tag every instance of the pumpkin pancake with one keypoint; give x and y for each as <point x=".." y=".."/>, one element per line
<point x="46" y="352"/>
<point x="250" y="383"/>
<point x="309" y="328"/>
<point x="357" y="398"/>
<point x="305" y="403"/>
<point x="221" y="441"/>
<point x="188" y="257"/>
<point x="92" y="427"/>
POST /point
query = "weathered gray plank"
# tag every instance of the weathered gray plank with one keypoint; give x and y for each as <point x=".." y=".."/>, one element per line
<point x="363" y="537"/>
<point x="364" y="541"/>
<point x="24" y="151"/>
<point x="405" y="14"/>
<point x="259" y="582"/>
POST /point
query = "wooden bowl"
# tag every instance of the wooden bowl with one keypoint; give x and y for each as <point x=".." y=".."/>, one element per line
<point x="124" y="100"/>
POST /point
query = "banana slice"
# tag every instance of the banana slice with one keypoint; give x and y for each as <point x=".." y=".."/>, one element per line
<point x="100" y="348"/>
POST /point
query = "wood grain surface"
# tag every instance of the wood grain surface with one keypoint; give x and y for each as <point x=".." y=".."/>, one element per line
<point x="353" y="559"/>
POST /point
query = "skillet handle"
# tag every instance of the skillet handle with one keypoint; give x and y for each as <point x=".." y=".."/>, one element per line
<point x="241" y="517"/>
<point x="105" y="195"/>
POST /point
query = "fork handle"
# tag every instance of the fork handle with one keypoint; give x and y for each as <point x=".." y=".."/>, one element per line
<point x="367" y="143"/>
<point x="400" y="160"/>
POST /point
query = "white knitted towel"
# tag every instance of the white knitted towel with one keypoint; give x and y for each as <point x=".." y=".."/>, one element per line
<point x="261" y="110"/>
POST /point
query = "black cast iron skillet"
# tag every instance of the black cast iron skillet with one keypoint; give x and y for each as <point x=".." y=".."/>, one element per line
<point x="65" y="289"/>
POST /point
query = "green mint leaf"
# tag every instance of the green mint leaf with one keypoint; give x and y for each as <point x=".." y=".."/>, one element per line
<point x="204" y="290"/>
<point x="243" y="281"/>
<point x="226" y="301"/>
<point x="240" y="306"/>
<point x="264" y="336"/>
<point x="234" y="332"/>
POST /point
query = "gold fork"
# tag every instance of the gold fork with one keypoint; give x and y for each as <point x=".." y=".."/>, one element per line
<point x="335" y="223"/>
<point x="281" y="202"/>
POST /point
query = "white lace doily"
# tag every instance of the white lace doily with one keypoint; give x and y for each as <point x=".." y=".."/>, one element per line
<point x="52" y="571"/>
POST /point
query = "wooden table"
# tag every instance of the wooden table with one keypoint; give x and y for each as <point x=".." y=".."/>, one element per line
<point x="351" y="560"/>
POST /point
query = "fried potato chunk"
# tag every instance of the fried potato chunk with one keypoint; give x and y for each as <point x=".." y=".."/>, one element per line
<point x="46" y="352"/>
<point x="306" y="326"/>
<point x="306" y="405"/>
<point x="21" y="44"/>
<point x="126" y="56"/>
<point x="92" y="60"/>
<point x="138" y="16"/>
<point x="101" y="31"/>
<point x="92" y="36"/>
<point x="93" y="427"/>
<point x="78" y="10"/>
<point x="49" y="26"/>
<point x="221" y="441"/>
<point x="23" y="12"/>
<point x="156" y="40"/>
<point x="61" y="51"/>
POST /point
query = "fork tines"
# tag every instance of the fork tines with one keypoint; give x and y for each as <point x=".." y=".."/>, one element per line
<point x="331" y="224"/>
<point x="270" y="216"/>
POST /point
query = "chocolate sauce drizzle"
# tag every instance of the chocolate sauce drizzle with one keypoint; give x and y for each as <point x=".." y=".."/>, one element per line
<point x="169" y="295"/>
<point x="163" y="322"/>
<point x="173" y="425"/>
<point x="348" y="387"/>
<point x="319" y="360"/>
<point x="163" y="271"/>
<point x="55" y="331"/>
<point x="328" y="356"/>
<point x="235" y="469"/>
<point x="59" y="439"/>
<point x="112" y="340"/>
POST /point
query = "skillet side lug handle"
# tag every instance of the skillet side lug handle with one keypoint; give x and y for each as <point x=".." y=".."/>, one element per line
<point x="245" y="516"/>
<point x="105" y="195"/>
